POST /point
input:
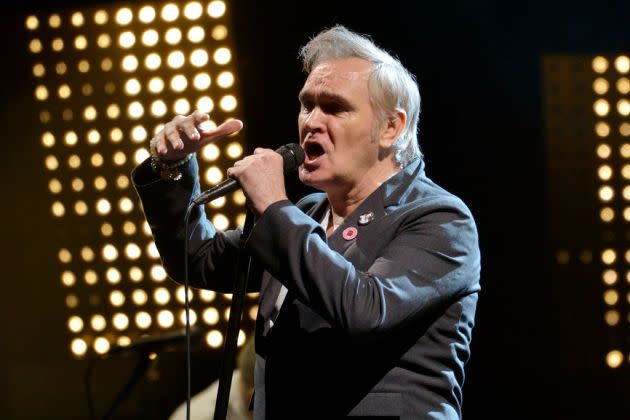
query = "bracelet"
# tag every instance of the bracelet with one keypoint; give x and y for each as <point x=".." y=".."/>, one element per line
<point x="170" y="171"/>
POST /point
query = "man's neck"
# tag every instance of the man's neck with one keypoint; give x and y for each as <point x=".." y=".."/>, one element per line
<point x="345" y="200"/>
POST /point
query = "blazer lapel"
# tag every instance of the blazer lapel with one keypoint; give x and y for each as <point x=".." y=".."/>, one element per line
<point x="374" y="207"/>
<point x="270" y="286"/>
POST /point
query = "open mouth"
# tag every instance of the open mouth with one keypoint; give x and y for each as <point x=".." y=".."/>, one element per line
<point x="313" y="150"/>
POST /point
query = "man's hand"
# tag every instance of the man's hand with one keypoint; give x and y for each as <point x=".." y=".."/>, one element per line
<point x="183" y="135"/>
<point x="261" y="176"/>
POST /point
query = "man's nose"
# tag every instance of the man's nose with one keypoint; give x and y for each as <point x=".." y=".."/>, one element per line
<point x="315" y="120"/>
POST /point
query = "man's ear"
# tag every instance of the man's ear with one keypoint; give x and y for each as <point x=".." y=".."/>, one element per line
<point x="393" y="128"/>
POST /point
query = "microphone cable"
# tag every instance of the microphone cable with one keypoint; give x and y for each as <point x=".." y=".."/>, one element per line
<point x="187" y="308"/>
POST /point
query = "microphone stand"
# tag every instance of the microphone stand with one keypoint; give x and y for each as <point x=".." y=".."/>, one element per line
<point x="236" y="309"/>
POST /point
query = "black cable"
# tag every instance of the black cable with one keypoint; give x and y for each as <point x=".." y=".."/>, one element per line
<point x="187" y="309"/>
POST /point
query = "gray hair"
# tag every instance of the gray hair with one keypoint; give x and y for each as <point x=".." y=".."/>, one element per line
<point x="391" y="86"/>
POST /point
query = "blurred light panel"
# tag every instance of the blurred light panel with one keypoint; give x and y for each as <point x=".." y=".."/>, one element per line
<point x="123" y="71"/>
<point x="588" y="181"/>
<point x="611" y="106"/>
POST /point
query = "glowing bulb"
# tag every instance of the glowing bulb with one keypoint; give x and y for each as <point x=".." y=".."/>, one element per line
<point x="180" y="294"/>
<point x="225" y="79"/>
<point x="132" y="251"/>
<point x="124" y="16"/>
<point x="161" y="296"/>
<point x="601" y="107"/>
<point x="170" y="12"/>
<point x="205" y="104"/>
<point x="214" y="339"/>
<point x="139" y="297"/>
<point x="158" y="273"/>
<point x="103" y="206"/>
<point x="165" y="319"/>
<point x="211" y="316"/>
<point x="156" y="85"/>
<point x="173" y="36"/>
<point x="104" y="40"/>
<point x="101" y="17"/>
<point x="117" y="298"/>
<point x="150" y="37"/>
<point x="181" y="106"/>
<point x="199" y="57"/>
<point x="146" y="14"/>
<point x="175" y="59"/>
<point x="179" y="83"/>
<point x="193" y="10"/>
<point x="75" y="324"/>
<point x="143" y="320"/>
<point x="216" y="9"/>
<point x="113" y="275"/>
<point x="599" y="64"/>
<point x="622" y="64"/>
<point x="109" y="253"/>
<point x="211" y="152"/>
<point x="132" y="87"/>
<point x="222" y="56"/>
<point x="158" y="108"/>
<point x="152" y="61"/>
<point x="201" y="81"/>
<point x="196" y="34"/>
<point x="78" y="346"/>
<point x="120" y="321"/>
<point x="127" y="39"/>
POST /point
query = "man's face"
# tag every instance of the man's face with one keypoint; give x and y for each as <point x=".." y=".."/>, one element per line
<point x="337" y="125"/>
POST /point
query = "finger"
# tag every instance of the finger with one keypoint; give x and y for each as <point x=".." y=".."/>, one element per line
<point x="172" y="136"/>
<point x="224" y="130"/>
<point x="199" y="116"/>
<point x="234" y="172"/>
<point x="189" y="128"/>
<point x="160" y="143"/>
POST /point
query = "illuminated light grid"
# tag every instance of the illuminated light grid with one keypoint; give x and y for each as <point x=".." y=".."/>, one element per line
<point x="595" y="145"/>
<point x="115" y="75"/>
<point x="611" y="107"/>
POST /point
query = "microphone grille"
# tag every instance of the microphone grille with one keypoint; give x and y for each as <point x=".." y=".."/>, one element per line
<point x="292" y="155"/>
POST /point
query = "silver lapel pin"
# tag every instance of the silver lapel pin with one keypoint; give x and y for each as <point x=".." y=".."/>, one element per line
<point x="366" y="218"/>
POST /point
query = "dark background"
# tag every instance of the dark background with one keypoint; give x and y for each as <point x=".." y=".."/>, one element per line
<point x="539" y="343"/>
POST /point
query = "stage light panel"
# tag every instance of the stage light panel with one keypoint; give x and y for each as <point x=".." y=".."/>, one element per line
<point x="590" y="153"/>
<point x="103" y="71"/>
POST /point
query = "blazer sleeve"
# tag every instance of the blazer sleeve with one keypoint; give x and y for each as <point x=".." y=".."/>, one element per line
<point x="432" y="260"/>
<point x="212" y="254"/>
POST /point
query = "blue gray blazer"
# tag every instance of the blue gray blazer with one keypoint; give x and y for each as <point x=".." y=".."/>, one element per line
<point x="377" y="325"/>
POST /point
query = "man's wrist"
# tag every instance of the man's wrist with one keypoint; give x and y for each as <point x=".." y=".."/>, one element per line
<point x="168" y="170"/>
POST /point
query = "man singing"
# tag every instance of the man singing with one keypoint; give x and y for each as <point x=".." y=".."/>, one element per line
<point x="367" y="290"/>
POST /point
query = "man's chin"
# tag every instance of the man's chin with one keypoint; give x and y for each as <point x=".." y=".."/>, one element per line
<point x="310" y="178"/>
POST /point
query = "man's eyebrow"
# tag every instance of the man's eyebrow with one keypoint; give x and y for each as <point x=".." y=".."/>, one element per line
<point x="326" y="96"/>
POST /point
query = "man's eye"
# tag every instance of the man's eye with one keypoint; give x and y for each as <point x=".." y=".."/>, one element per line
<point x="333" y="108"/>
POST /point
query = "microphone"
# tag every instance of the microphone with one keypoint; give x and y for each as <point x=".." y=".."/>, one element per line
<point x="292" y="156"/>
<point x="152" y="344"/>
